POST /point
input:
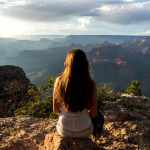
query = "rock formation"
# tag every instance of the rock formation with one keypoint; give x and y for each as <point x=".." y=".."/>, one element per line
<point x="13" y="89"/>
<point x="24" y="132"/>
<point x="127" y="123"/>
<point x="130" y="56"/>
<point x="54" y="141"/>
<point x="138" y="45"/>
<point x="126" y="126"/>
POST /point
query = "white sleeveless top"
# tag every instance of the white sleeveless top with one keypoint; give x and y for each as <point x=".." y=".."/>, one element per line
<point x="74" y="121"/>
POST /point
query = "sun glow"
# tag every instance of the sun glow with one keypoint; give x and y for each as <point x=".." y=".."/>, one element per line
<point x="9" y="27"/>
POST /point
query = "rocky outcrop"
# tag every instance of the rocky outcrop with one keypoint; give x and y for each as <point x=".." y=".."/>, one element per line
<point x="136" y="104"/>
<point x="125" y="123"/>
<point x="54" y="141"/>
<point x="125" y="128"/>
<point x="128" y="106"/>
<point x="13" y="89"/>
<point x="24" y="132"/>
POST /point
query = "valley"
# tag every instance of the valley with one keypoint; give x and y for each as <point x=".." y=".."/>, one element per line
<point x="115" y="59"/>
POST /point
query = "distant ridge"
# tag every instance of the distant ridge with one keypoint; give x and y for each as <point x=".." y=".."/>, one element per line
<point x="124" y="42"/>
<point x="118" y="63"/>
<point x="139" y="45"/>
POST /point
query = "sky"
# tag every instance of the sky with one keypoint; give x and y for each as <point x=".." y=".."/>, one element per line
<point x="74" y="17"/>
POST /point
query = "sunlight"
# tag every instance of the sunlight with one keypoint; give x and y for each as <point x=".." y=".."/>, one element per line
<point x="10" y="27"/>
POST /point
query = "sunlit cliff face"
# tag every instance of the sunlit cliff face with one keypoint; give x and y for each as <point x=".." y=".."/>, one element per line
<point x="97" y="53"/>
<point x="120" y="63"/>
<point x="145" y="49"/>
<point x="143" y="40"/>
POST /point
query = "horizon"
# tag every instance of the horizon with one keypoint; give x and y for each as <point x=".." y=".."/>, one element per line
<point x="76" y="17"/>
<point x="52" y="37"/>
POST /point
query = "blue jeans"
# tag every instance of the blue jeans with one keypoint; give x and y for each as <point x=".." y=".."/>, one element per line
<point x="75" y="134"/>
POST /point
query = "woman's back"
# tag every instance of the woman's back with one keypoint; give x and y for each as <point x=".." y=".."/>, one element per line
<point x="75" y="121"/>
<point x="75" y="92"/>
<point x="75" y="86"/>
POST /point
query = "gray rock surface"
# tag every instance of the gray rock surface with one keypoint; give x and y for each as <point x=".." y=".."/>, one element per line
<point x="124" y="128"/>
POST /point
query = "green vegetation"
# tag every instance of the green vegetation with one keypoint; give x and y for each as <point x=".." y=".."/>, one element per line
<point x="43" y="101"/>
<point x="42" y="105"/>
<point x="105" y="93"/>
<point x="129" y="105"/>
<point x="5" y="132"/>
<point x="14" y="132"/>
<point x="52" y="115"/>
<point x="134" y="89"/>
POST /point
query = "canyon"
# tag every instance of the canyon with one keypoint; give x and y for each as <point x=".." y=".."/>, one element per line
<point x="110" y="60"/>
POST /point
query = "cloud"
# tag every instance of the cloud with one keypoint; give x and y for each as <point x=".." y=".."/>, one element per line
<point x="85" y="20"/>
<point x="125" y="14"/>
<point x="144" y="33"/>
<point x="81" y="27"/>
<point x="10" y="3"/>
<point x="109" y="11"/>
<point x="51" y="10"/>
<point x="129" y="0"/>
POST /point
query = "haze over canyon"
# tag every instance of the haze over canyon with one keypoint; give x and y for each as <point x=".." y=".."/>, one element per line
<point x="115" y="59"/>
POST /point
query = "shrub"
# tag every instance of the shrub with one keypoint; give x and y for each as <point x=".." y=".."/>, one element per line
<point x="14" y="132"/>
<point x="43" y="101"/>
<point x="134" y="89"/>
<point x="52" y="115"/>
<point x="105" y="93"/>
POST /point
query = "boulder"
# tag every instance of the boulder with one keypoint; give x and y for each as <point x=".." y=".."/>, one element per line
<point x="54" y="141"/>
<point x="114" y="112"/>
<point x="13" y="89"/>
<point x="140" y="102"/>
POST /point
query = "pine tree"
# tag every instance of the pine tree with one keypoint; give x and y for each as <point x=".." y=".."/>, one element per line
<point x="134" y="89"/>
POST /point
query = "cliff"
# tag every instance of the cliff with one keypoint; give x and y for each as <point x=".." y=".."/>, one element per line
<point x="118" y="64"/>
<point x="127" y="126"/>
<point x="13" y="89"/>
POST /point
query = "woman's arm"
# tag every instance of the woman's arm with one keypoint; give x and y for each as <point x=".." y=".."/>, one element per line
<point x="56" y="105"/>
<point x="93" y="108"/>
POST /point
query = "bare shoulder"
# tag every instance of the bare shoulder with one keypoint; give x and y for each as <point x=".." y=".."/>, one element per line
<point x="56" y="82"/>
<point x="58" y="78"/>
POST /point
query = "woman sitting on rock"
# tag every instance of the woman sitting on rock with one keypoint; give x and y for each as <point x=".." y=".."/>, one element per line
<point x="75" y="97"/>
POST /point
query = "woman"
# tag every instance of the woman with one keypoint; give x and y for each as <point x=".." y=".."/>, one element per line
<point x="75" y="97"/>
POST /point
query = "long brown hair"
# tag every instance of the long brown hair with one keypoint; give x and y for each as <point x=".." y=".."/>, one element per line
<point x="75" y="86"/>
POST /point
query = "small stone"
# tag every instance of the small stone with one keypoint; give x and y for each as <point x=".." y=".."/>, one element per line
<point x="124" y="131"/>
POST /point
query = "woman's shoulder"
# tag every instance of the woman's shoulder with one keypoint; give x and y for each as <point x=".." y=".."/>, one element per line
<point x="57" y="80"/>
<point x="94" y="84"/>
